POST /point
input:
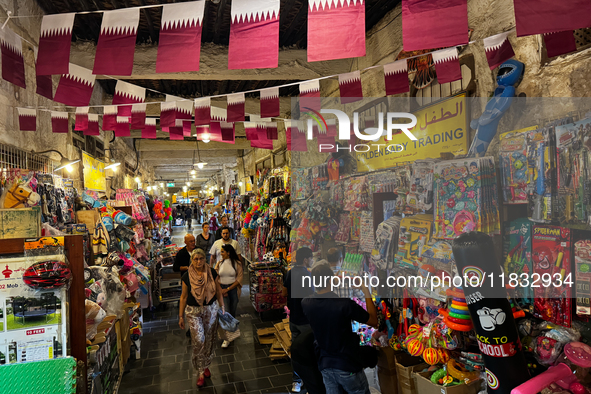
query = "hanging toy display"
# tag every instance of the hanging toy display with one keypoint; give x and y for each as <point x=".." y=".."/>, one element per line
<point x="496" y="331"/>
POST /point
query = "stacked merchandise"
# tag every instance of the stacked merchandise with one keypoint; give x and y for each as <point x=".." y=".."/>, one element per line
<point x="167" y="283"/>
<point x="266" y="284"/>
<point x="466" y="191"/>
<point x="386" y="243"/>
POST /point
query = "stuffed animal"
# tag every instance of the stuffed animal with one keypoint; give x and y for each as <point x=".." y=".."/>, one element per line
<point x="19" y="195"/>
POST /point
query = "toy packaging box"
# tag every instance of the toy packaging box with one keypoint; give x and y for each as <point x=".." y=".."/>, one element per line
<point x="517" y="255"/>
<point x="420" y="196"/>
<point x="466" y="197"/>
<point x="572" y="172"/>
<point x="551" y="255"/>
<point x="582" y="252"/>
<point x="541" y="176"/>
<point x="513" y="163"/>
<point x="436" y="259"/>
<point x="415" y="232"/>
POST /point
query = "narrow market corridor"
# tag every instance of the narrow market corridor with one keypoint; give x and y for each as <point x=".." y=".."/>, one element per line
<point x="165" y="364"/>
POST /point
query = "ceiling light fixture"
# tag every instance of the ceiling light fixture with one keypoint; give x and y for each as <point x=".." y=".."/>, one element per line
<point x="112" y="165"/>
<point x="239" y="183"/>
<point x="205" y="138"/>
<point x="193" y="172"/>
<point x="149" y="188"/>
<point x="200" y="164"/>
<point x="137" y="179"/>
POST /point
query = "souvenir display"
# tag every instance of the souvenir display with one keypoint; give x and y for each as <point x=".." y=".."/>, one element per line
<point x="518" y="256"/>
<point x="513" y="165"/>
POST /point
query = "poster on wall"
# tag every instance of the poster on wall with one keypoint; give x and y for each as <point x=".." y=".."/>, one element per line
<point x="441" y="128"/>
<point x="33" y="323"/>
<point x="94" y="173"/>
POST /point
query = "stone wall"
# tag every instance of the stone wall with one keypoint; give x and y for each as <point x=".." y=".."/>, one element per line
<point x="12" y="96"/>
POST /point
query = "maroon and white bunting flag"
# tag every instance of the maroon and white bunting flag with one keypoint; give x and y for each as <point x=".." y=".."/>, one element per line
<point x="202" y="111"/>
<point x="75" y="88"/>
<point x="122" y="127"/>
<point x="54" y="44"/>
<point x="269" y="102"/>
<point x="549" y="16"/>
<point x="498" y="49"/>
<point x="127" y="93"/>
<point x="434" y="24"/>
<point x="272" y="133"/>
<point x="59" y="122"/>
<point x="93" y="125"/>
<point x="202" y="133"/>
<point x="326" y="138"/>
<point x="560" y="43"/>
<point x="179" y="44"/>
<point x="149" y="130"/>
<point x="167" y="113"/>
<point x="184" y="109"/>
<point x="310" y="96"/>
<point x="235" y="107"/>
<point x="396" y="77"/>
<point x="176" y="133"/>
<point x="219" y="114"/>
<point x="116" y="43"/>
<point x="295" y="134"/>
<point x="350" y="87"/>
<point x="81" y="121"/>
<point x="447" y="65"/>
<point x="250" y="128"/>
<point x="254" y="34"/>
<point x="336" y="29"/>
<point x="287" y="125"/>
<point x="138" y="116"/>
<point x="13" y="65"/>
<point x="27" y="119"/>
<point x="185" y="125"/>
<point x="215" y="131"/>
<point x="262" y="142"/>
<point x="44" y="82"/>
<point x="109" y="117"/>
<point x="228" y="133"/>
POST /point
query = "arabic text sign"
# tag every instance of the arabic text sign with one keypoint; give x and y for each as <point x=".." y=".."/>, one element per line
<point x="442" y="127"/>
<point x="94" y="173"/>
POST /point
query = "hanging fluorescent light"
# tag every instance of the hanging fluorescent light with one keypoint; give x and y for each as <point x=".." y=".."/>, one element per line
<point x="112" y="166"/>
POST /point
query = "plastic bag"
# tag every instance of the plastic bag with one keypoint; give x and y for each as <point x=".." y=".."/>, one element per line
<point x="94" y="316"/>
<point x="227" y="322"/>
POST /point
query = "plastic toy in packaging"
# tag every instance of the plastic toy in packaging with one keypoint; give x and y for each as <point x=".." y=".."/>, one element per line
<point x="513" y="163"/>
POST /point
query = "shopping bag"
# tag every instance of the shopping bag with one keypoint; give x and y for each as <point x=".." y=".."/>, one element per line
<point x="227" y="321"/>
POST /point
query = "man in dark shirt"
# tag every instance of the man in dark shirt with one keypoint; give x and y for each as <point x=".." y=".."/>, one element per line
<point x="224" y="224"/>
<point x="189" y="216"/>
<point x="182" y="261"/>
<point x="330" y="317"/>
<point x="295" y="291"/>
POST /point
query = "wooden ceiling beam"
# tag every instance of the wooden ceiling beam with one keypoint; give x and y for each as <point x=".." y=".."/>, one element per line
<point x="293" y="65"/>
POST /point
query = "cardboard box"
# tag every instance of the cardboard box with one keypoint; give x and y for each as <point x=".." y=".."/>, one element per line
<point x="89" y="218"/>
<point x="388" y="380"/>
<point x="387" y="358"/>
<point x="424" y="386"/>
<point x="406" y="366"/>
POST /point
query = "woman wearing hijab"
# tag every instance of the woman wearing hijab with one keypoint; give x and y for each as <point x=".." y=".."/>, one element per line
<point x="200" y="301"/>
<point x="230" y="272"/>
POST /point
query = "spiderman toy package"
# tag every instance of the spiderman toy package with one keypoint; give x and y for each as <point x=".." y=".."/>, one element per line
<point x="552" y="278"/>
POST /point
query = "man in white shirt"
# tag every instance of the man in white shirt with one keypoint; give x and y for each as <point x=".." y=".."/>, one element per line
<point x="216" y="249"/>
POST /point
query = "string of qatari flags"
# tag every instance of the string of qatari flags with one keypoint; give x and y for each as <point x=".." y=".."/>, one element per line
<point x="255" y="29"/>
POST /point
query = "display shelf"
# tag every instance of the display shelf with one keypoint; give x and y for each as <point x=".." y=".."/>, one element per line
<point x="73" y="246"/>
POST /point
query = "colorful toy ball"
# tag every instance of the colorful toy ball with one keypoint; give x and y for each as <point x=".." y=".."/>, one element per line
<point x="443" y="355"/>
<point x="407" y="341"/>
<point x="415" y="347"/>
<point x="414" y="329"/>
<point x="431" y="356"/>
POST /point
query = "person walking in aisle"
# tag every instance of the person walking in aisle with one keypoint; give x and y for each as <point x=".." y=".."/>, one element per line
<point x="205" y="240"/>
<point x="224" y="224"/>
<point x="230" y="272"/>
<point x="189" y="216"/>
<point x="216" y="249"/>
<point x="200" y="300"/>
<point x="182" y="260"/>
<point x="330" y="317"/>
<point x="298" y="323"/>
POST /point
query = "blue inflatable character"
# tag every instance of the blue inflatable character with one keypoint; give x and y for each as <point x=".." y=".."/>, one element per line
<point x="508" y="78"/>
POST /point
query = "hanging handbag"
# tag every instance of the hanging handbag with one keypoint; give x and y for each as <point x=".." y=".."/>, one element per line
<point x="227" y="322"/>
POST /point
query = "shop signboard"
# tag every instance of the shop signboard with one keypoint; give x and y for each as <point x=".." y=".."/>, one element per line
<point x="94" y="173"/>
<point x="170" y="184"/>
<point x="441" y="128"/>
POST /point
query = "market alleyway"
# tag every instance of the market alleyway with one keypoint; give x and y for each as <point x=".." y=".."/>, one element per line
<point x="244" y="367"/>
<point x="165" y="366"/>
